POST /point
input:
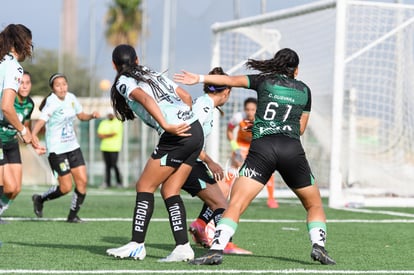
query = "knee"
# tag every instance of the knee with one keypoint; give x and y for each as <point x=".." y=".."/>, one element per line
<point x="65" y="188"/>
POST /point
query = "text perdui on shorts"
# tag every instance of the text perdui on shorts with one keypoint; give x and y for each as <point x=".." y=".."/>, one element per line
<point x="174" y="150"/>
<point x="281" y="153"/>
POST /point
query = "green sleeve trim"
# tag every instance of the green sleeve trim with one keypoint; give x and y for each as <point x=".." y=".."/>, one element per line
<point x="315" y="224"/>
<point x="248" y="82"/>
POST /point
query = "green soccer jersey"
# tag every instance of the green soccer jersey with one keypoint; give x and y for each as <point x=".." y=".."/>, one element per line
<point x="24" y="111"/>
<point x="281" y="102"/>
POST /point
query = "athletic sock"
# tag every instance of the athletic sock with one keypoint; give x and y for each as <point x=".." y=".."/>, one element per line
<point x="224" y="231"/>
<point x="317" y="232"/>
<point x="217" y="214"/>
<point x="5" y="203"/>
<point x="205" y="214"/>
<point x="177" y="217"/>
<point x="4" y="200"/>
<point x="144" y="206"/>
<point x="1" y="190"/>
<point x="77" y="201"/>
<point x="51" y="194"/>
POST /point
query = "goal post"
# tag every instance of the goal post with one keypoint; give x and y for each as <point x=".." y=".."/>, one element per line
<point x="357" y="58"/>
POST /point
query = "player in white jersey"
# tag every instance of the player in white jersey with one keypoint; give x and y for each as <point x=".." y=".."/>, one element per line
<point x="164" y="106"/>
<point x="206" y="173"/>
<point x="15" y="47"/>
<point x="59" y="111"/>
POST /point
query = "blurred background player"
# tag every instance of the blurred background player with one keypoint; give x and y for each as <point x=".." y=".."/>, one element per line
<point x="24" y="106"/>
<point x="241" y="143"/>
<point x="110" y="131"/>
<point x="202" y="181"/>
<point x="58" y="113"/>
<point x="15" y="47"/>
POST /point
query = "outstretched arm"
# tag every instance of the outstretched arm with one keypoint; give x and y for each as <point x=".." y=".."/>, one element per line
<point x="231" y="81"/>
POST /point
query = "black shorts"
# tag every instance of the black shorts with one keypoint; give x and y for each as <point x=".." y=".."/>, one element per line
<point x="174" y="150"/>
<point x="198" y="179"/>
<point x="62" y="163"/>
<point x="11" y="153"/>
<point x="2" y="162"/>
<point x="281" y="153"/>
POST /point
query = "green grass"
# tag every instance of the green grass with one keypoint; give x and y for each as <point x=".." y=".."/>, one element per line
<point x="359" y="242"/>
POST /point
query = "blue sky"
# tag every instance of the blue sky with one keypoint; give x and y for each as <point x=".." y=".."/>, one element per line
<point x="192" y="41"/>
<point x="191" y="44"/>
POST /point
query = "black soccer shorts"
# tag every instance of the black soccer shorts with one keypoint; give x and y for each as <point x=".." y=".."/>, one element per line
<point x="281" y="153"/>
<point x="62" y="163"/>
<point x="174" y="150"/>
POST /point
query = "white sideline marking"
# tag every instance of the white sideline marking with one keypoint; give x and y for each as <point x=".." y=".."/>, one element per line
<point x="242" y="220"/>
<point x="281" y="271"/>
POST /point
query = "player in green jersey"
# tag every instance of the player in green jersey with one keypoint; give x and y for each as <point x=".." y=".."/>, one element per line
<point x="284" y="104"/>
<point x="24" y="106"/>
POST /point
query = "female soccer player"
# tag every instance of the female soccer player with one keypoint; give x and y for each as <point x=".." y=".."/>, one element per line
<point x="24" y="106"/>
<point x="164" y="106"/>
<point x="58" y="112"/>
<point x="205" y="174"/>
<point x="282" y="115"/>
<point x="15" y="47"/>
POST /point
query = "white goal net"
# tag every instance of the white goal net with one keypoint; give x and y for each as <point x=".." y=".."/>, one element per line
<point x="357" y="58"/>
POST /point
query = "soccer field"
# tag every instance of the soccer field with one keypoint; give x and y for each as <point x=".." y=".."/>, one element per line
<point x="362" y="241"/>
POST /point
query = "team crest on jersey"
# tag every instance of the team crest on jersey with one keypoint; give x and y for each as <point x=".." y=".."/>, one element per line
<point x="17" y="79"/>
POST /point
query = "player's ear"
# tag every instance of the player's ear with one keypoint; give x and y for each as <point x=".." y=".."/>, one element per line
<point x="296" y="72"/>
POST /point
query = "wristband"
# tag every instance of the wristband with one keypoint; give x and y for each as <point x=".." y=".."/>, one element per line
<point x="23" y="131"/>
<point x="234" y="145"/>
<point x="200" y="78"/>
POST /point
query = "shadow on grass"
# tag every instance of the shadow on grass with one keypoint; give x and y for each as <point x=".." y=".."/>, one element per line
<point x="119" y="241"/>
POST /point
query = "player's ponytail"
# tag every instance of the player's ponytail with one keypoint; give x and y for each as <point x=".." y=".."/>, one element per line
<point x="125" y="61"/>
<point x="43" y="103"/>
<point x="284" y="62"/>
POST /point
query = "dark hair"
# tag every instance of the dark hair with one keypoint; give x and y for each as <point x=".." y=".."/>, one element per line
<point x="284" y="62"/>
<point x="125" y="58"/>
<point x="27" y="73"/>
<point x="214" y="88"/>
<point x="54" y="76"/>
<point x="249" y="100"/>
<point x="16" y="36"/>
<point x="51" y="80"/>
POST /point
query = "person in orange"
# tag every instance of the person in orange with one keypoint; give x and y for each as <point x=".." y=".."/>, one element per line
<point x="241" y="143"/>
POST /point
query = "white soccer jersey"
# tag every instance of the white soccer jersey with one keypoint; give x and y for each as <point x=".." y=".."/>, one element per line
<point x="10" y="76"/>
<point x="59" y="116"/>
<point x="203" y="107"/>
<point x="174" y="110"/>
